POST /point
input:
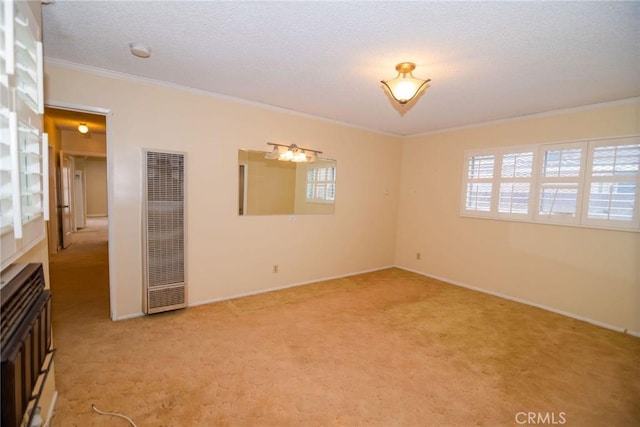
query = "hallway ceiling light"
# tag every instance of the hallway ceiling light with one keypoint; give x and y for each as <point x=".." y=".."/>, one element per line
<point x="405" y="87"/>
<point x="292" y="153"/>
<point x="83" y="128"/>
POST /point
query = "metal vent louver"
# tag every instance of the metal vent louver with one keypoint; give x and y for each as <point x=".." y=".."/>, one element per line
<point x="164" y="232"/>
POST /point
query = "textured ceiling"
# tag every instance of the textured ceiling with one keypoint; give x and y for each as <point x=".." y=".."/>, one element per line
<point x="487" y="60"/>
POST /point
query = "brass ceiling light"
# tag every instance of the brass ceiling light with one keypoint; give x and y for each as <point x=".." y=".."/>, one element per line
<point x="405" y="87"/>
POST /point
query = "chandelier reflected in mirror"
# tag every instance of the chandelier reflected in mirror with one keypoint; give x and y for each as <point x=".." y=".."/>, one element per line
<point x="292" y="153"/>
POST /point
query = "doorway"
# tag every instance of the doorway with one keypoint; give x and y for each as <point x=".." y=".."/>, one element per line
<point x="65" y="200"/>
<point x="79" y="226"/>
<point x="79" y="211"/>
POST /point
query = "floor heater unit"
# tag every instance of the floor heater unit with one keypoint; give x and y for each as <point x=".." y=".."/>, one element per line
<point x="165" y="286"/>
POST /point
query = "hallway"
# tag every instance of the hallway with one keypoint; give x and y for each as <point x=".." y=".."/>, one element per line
<point x="80" y="279"/>
<point x="80" y="299"/>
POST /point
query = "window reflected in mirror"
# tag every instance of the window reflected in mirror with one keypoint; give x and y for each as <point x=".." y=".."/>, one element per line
<point x="274" y="187"/>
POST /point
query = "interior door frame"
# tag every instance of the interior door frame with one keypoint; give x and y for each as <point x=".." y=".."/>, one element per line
<point x="108" y="113"/>
<point x="52" y="226"/>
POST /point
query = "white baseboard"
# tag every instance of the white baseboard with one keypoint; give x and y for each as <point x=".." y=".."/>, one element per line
<point x="278" y="288"/>
<point x="433" y="276"/>
<point x="523" y="301"/>
<point x="52" y="409"/>
<point x="104" y="215"/>
<point x="261" y="291"/>
<point x="130" y="316"/>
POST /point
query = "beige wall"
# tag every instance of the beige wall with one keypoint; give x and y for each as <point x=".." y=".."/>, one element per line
<point x="38" y="254"/>
<point x="270" y="185"/>
<point x="221" y="244"/>
<point x="95" y="170"/>
<point x="587" y="272"/>
<point x="92" y="143"/>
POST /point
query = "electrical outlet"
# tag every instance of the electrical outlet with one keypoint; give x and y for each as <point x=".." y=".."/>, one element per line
<point x="418" y="255"/>
<point x="275" y="268"/>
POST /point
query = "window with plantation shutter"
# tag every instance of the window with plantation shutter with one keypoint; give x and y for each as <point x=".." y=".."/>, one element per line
<point x="23" y="146"/>
<point x="321" y="184"/>
<point x="515" y="185"/>
<point x="479" y="183"/>
<point x="612" y="183"/>
<point x="498" y="184"/>
<point x="586" y="183"/>
<point x="560" y="182"/>
<point x="6" y="174"/>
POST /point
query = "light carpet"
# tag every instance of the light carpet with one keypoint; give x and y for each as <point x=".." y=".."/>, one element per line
<point x="388" y="348"/>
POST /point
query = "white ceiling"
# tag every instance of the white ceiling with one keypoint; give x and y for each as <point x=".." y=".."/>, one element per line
<point x="487" y="60"/>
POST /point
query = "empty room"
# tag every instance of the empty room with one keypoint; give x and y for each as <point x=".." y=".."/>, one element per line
<point x="322" y="213"/>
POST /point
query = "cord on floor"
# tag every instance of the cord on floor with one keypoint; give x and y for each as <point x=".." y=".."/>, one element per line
<point x="93" y="406"/>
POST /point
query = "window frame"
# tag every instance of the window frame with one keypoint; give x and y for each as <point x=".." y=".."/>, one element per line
<point x="537" y="182"/>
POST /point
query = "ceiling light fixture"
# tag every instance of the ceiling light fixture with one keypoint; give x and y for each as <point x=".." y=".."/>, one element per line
<point x="140" y="50"/>
<point x="292" y="153"/>
<point x="83" y="128"/>
<point x="405" y="87"/>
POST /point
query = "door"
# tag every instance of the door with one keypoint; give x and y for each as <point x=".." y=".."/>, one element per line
<point x="64" y="206"/>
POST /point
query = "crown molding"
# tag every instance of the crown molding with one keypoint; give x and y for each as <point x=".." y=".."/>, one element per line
<point x="133" y="78"/>
<point x="551" y="113"/>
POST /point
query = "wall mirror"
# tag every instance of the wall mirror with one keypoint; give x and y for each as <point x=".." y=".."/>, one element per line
<point x="275" y="187"/>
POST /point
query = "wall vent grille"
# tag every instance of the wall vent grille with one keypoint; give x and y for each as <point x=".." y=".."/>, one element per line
<point x="164" y="231"/>
<point x="167" y="297"/>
